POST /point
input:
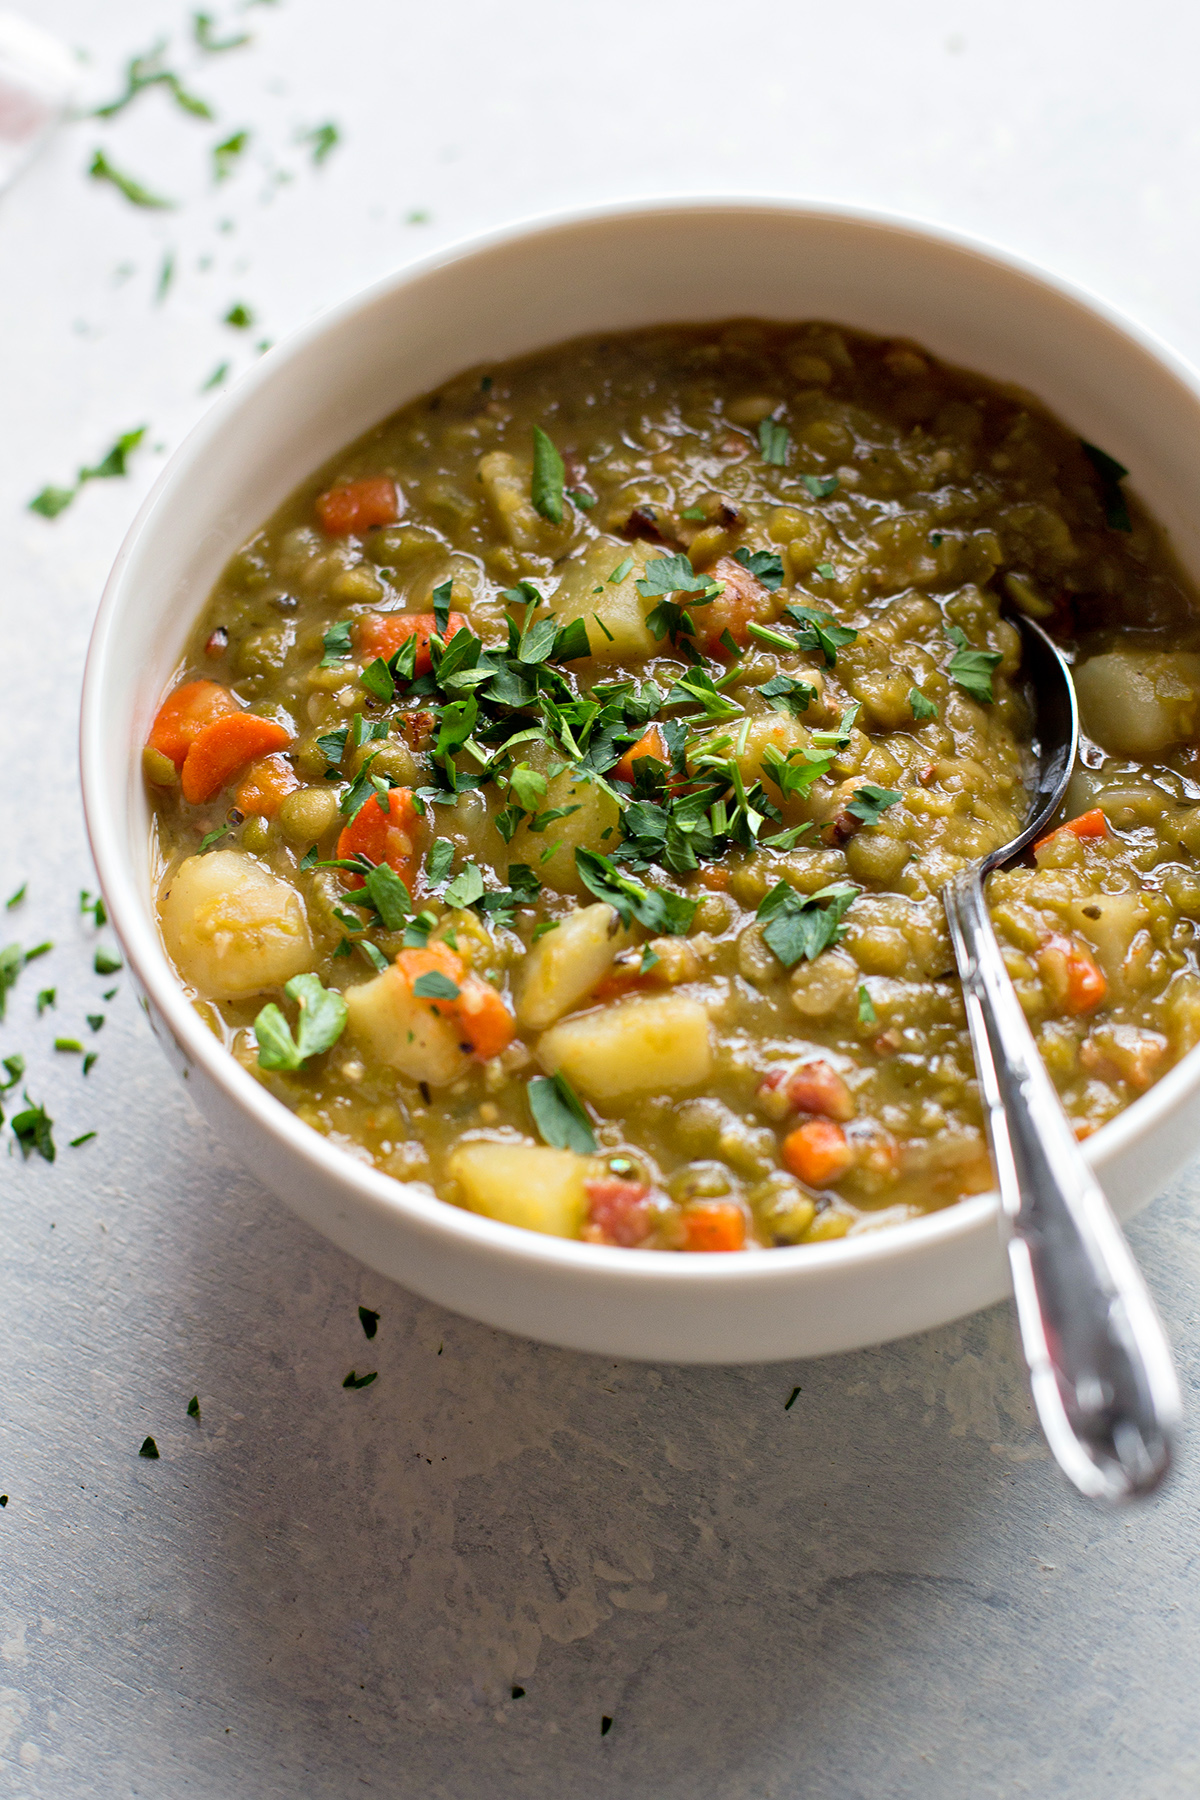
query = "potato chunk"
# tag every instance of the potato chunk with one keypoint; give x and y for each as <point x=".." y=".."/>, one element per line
<point x="636" y="1047"/>
<point x="232" y="927"/>
<point x="1137" y="703"/>
<point x="619" y="607"/>
<point x="404" y="1032"/>
<point x="593" y="823"/>
<point x="564" y="966"/>
<point x="523" y="1184"/>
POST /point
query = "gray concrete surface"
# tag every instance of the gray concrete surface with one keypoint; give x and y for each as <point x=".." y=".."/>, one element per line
<point x="881" y="1592"/>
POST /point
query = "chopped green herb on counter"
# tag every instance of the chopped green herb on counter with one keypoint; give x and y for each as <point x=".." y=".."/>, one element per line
<point x="95" y="1020"/>
<point x="204" y="31"/>
<point x="166" y="276"/>
<point x="107" y="962"/>
<point x="90" y="1061"/>
<point x="360" y="1381"/>
<point x="47" y="998"/>
<point x="239" y="316"/>
<point x="368" y="1320"/>
<point x="32" y="1130"/>
<point x="100" y="169"/>
<point x="322" y="139"/>
<point x="193" y="1407"/>
<point x="71" y="1046"/>
<point x="16" y="898"/>
<point x="216" y="378"/>
<point x="149" y="1449"/>
<point x="85" y="1137"/>
<point x="791" y="1399"/>
<point x="53" y="500"/>
<point x="228" y="154"/>
<point x="93" y="904"/>
<point x="146" y="71"/>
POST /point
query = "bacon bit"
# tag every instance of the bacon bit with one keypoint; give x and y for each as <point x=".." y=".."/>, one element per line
<point x="217" y="642"/>
<point x="814" y="1087"/>
<point x="1076" y="982"/>
<point x="840" y="829"/>
<point x="642" y="524"/>
<point x="1088" y="825"/>
<point x="358" y="505"/>
<point x="928" y="775"/>
<point x="744" y="599"/>
<point x="417" y="729"/>
<point x="619" y="1211"/>
<point x="817" y="1152"/>
<point x="714" y="1225"/>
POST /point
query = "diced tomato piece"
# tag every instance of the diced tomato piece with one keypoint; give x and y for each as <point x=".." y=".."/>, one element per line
<point x="744" y="599"/>
<point x="382" y="634"/>
<point x="650" y="744"/>
<point x="265" y="786"/>
<point x="223" y="748"/>
<point x="184" y="714"/>
<point x="817" y="1152"/>
<point x="814" y="1087"/>
<point x="1076" y="981"/>
<point x="478" y="1010"/>
<point x="714" y="1225"/>
<point x="359" y="505"/>
<point x="619" y="1210"/>
<point x="1088" y="825"/>
<point x="386" y="837"/>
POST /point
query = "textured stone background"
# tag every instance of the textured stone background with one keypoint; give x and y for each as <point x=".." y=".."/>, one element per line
<point x="884" y="1592"/>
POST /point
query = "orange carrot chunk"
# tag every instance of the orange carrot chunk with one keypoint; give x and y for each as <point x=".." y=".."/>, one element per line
<point x="744" y="599"/>
<point x="223" y="748"/>
<point x="1088" y="825"/>
<point x="714" y="1225"/>
<point x="265" y="785"/>
<point x="817" y="1152"/>
<point x="359" y="505"/>
<point x="1074" y="978"/>
<point x="484" y="1020"/>
<point x="187" y="712"/>
<point x="651" y="744"/>
<point x="386" y="837"/>
<point x="382" y="634"/>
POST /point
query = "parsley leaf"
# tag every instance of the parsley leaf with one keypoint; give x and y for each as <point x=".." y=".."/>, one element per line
<point x="972" y="669"/>
<point x="225" y="156"/>
<point x="332" y="745"/>
<point x="435" y="986"/>
<point x="923" y="708"/>
<point x="101" y="169"/>
<point x="697" y="685"/>
<point x="368" y="1320"/>
<point x="773" y="441"/>
<point x="820" y="486"/>
<point x="84" y="1138"/>
<point x="546" y="489"/>
<point x="16" y="898"/>
<point x="52" y="500"/>
<point x="869" y="803"/>
<point x="1112" y="474"/>
<point x="559" y="1115"/>
<point x="765" y="565"/>
<point x="660" y="911"/>
<point x="323" y="139"/>
<point x="819" y="632"/>
<point x="441" y="608"/>
<point x="389" y="896"/>
<point x="204" y="33"/>
<point x="866" y="1011"/>
<point x="337" y="644"/>
<point x="193" y="1407"/>
<point x="620" y="572"/>
<point x="239" y="316"/>
<point x="787" y="695"/>
<point x="360" y="1381"/>
<point x="466" y="888"/>
<point x="149" y="1449"/>
<point x="321" y="1022"/>
<point x="15" y="1067"/>
<point x="32" y="1130"/>
<point x="797" y="926"/>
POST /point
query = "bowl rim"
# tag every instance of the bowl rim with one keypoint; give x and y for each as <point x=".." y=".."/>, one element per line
<point x="134" y="925"/>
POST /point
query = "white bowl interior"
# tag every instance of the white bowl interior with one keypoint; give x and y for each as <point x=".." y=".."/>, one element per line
<point x="506" y="294"/>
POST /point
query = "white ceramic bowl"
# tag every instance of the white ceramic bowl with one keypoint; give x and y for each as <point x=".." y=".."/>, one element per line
<point x="498" y="296"/>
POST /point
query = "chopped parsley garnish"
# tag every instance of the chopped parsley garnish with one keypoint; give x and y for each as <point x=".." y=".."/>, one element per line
<point x="368" y="1320"/>
<point x="47" y="998"/>
<point x="15" y="1067"/>
<point x="106" y="962"/>
<point x="791" y="1399"/>
<point x="787" y="695"/>
<point x="360" y="1381"/>
<point x="818" y="631"/>
<point x="549" y="473"/>
<point x="323" y="139"/>
<point x="765" y="565"/>
<point x="866" y="1011"/>
<point x="90" y="1061"/>
<point x="559" y="1115"/>
<point x="799" y="926"/>
<point x="84" y="1137"/>
<point x="115" y="462"/>
<point x="869" y="803"/>
<point x="32" y="1130"/>
<point x="665" y="576"/>
<point x="144" y="72"/>
<point x="100" y="169"/>
<point x="439" y="859"/>
<point x="239" y="316"/>
<point x="93" y="904"/>
<point x="204" y="32"/>
<point x="1111" y="474"/>
<point x="337" y="644"/>
<point x="773" y="442"/>
<point x="149" y="1449"/>
<point x="970" y="668"/>
<point x="213" y="837"/>
<point x="71" y="1045"/>
<point x="826" y="571"/>
<point x="226" y="155"/>
<point x="621" y="571"/>
<point x="216" y="378"/>
<point x="193" y="1407"/>
<point x="820" y="486"/>
<point x="384" y="890"/>
<point x="320" y="1024"/>
<point x="467" y="886"/>
<point x="16" y="898"/>
<point x="655" y="908"/>
<point x="923" y="708"/>
<point x="434" y="985"/>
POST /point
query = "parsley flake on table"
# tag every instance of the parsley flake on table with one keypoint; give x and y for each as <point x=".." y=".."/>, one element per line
<point x="193" y="1407"/>
<point x="549" y="473"/>
<point x="368" y="1320"/>
<point x="93" y="904"/>
<point x="239" y="316"/>
<point x="1111" y="474"/>
<point x="71" y="1046"/>
<point x="820" y="486"/>
<point x="32" y="1130"/>
<point x="799" y="926"/>
<point x="90" y="1061"/>
<point x="106" y="962"/>
<point x="216" y="378"/>
<point x="115" y="462"/>
<point x="15" y="1067"/>
<point x="773" y="441"/>
<point x="869" y="803"/>
<point x="12" y="960"/>
<point x="47" y="998"/>
<point x="16" y="898"/>
<point x="204" y="32"/>
<point x="322" y="140"/>
<point x="923" y="708"/>
<point x="100" y="169"/>
<point x="360" y="1381"/>
<point x="970" y="668"/>
<point x="146" y="71"/>
<point x="149" y="1449"/>
<point x="85" y="1137"/>
<point x="322" y="1019"/>
<point x="228" y="154"/>
<point x="559" y="1114"/>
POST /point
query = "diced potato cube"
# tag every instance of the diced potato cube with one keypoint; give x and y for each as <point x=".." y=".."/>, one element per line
<point x="1137" y="703"/>
<point x="524" y="1184"/>
<point x="622" y="634"/>
<point x="1109" y="922"/>
<point x="506" y="482"/>
<point x="232" y="927"/>
<point x="640" y="1046"/>
<point x="564" y="966"/>
<point x="594" y="825"/>
<point x="404" y="1032"/>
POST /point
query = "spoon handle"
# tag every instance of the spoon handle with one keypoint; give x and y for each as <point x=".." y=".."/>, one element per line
<point x="1100" y="1366"/>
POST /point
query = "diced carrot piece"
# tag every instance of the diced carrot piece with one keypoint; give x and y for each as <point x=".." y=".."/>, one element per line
<point x="618" y="1209"/>
<point x="265" y="786"/>
<point x="651" y="744"/>
<point x="744" y="599"/>
<point x="714" y="1225"/>
<point x="479" y="1011"/>
<point x="386" y="837"/>
<point x="359" y="505"/>
<point x="382" y="634"/>
<point x="814" y="1087"/>
<point x="223" y="748"/>
<point x="1076" y="981"/>
<point x="187" y="712"/>
<point x="817" y="1152"/>
<point x="1088" y="825"/>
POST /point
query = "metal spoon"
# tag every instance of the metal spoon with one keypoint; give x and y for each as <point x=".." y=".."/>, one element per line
<point x="1100" y="1366"/>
